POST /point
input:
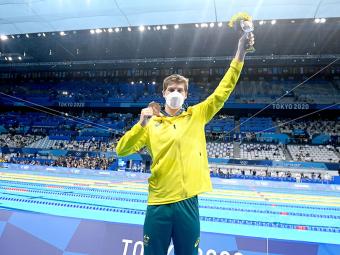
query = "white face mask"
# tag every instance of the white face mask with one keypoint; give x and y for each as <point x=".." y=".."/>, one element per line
<point x="174" y="100"/>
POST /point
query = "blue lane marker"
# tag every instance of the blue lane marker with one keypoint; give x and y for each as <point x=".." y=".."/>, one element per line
<point x="202" y="206"/>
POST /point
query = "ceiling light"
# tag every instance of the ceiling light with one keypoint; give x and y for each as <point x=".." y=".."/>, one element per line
<point x="141" y="28"/>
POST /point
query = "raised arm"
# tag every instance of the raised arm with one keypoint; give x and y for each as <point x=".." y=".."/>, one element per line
<point x="210" y="106"/>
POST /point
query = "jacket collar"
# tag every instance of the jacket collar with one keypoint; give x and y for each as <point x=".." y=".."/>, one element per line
<point x="168" y="115"/>
<point x="181" y="113"/>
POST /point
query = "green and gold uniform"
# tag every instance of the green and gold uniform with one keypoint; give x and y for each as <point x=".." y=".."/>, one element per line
<point x="179" y="171"/>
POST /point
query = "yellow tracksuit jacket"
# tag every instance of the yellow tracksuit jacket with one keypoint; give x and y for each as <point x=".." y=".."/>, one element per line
<point x="178" y="147"/>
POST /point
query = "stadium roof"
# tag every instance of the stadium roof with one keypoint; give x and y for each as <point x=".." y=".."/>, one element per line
<point x="32" y="16"/>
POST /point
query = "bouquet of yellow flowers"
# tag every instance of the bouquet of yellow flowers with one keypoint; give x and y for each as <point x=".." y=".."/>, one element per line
<point x="242" y="22"/>
<point x="235" y="20"/>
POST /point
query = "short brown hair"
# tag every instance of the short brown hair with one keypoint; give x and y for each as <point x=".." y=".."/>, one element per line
<point x="176" y="78"/>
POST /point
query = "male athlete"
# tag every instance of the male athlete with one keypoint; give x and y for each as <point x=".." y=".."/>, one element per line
<point x="176" y="141"/>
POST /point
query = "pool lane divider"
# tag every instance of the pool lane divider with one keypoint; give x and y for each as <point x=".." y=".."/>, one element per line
<point x="124" y="184"/>
<point x="211" y="197"/>
<point x="202" y="218"/>
<point x="201" y="198"/>
<point x="17" y="189"/>
<point x="144" y="201"/>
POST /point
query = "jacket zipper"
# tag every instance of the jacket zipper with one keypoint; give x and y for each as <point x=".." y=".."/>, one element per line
<point x="180" y="155"/>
